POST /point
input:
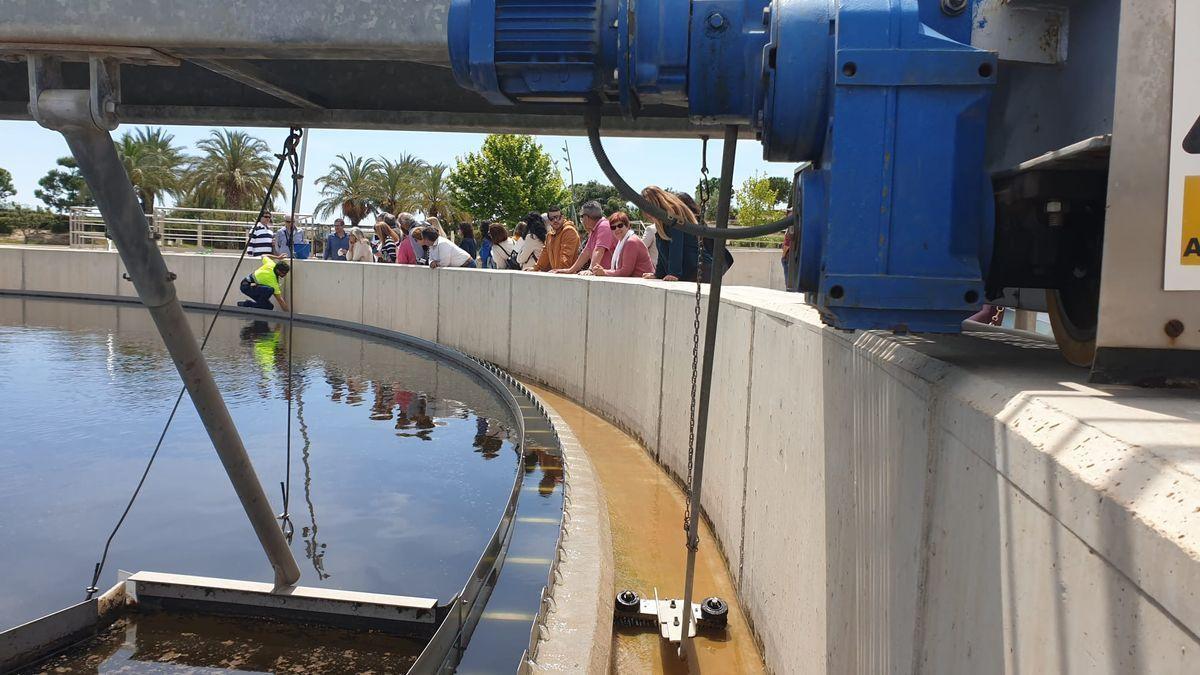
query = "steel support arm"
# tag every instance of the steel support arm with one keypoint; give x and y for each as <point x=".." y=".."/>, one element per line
<point x="69" y="112"/>
<point x="724" y="196"/>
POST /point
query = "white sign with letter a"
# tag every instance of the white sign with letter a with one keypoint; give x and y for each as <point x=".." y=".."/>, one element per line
<point x="1182" y="269"/>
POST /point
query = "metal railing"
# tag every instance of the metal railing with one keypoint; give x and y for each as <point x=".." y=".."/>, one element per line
<point x="187" y="227"/>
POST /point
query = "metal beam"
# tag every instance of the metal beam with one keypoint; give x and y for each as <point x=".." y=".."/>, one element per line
<point x="395" y="614"/>
<point x="138" y="56"/>
<point x="412" y="30"/>
<point x="253" y="76"/>
<point x="406" y="120"/>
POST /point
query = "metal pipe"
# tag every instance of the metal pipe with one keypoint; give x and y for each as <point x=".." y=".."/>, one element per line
<point x="725" y="194"/>
<point x="592" y="121"/>
<point x="114" y="195"/>
<point x="402" y="30"/>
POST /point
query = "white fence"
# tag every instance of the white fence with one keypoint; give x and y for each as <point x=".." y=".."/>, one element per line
<point x="186" y="227"/>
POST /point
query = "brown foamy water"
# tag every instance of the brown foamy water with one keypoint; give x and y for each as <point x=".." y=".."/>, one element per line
<point x="645" y="509"/>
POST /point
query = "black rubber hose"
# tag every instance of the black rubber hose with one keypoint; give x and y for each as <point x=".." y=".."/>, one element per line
<point x="627" y="192"/>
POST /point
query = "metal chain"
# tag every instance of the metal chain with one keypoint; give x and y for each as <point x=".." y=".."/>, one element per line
<point x="704" y="194"/>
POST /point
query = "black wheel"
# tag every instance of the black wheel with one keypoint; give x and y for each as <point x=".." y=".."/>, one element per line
<point x="714" y="610"/>
<point x="1073" y="320"/>
<point x="628" y="602"/>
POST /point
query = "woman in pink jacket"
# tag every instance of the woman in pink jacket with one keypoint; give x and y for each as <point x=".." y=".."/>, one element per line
<point x="405" y="253"/>
<point x="630" y="257"/>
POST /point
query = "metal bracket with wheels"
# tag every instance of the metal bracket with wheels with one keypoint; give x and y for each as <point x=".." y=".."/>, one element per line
<point x="630" y="610"/>
<point x="678" y="625"/>
<point x="84" y="117"/>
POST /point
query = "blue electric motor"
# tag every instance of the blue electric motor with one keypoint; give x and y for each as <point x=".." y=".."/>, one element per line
<point x="885" y="98"/>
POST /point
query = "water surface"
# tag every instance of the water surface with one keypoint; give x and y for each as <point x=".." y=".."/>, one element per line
<point x="401" y="463"/>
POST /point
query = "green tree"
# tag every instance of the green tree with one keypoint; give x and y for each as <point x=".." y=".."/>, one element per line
<point x="6" y="185"/>
<point x="510" y="176"/>
<point x="153" y="165"/>
<point x="756" y="200"/>
<point x="27" y="221"/>
<point x="232" y="172"/>
<point x="432" y="192"/>
<point x="604" y="193"/>
<point x="783" y="189"/>
<point x="62" y="189"/>
<point x="348" y="189"/>
<point x="393" y="182"/>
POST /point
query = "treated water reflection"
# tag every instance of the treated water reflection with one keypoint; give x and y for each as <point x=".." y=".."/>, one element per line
<point x="386" y="446"/>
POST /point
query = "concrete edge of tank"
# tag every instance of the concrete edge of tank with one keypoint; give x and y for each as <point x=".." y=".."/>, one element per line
<point x="576" y="628"/>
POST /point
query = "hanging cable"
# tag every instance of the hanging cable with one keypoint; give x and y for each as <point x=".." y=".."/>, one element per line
<point x="285" y="518"/>
<point x="289" y="149"/>
<point x="592" y="120"/>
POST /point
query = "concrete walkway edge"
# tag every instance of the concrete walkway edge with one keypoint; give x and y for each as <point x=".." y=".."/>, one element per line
<point x="576" y="634"/>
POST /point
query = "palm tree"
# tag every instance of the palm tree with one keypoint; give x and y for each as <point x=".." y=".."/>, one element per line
<point x="348" y="188"/>
<point x="233" y="172"/>
<point x="392" y="183"/>
<point x="432" y="192"/>
<point x="153" y="165"/>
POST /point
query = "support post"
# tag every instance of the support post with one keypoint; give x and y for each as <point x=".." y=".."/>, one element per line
<point x="724" y="195"/>
<point x="67" y="111"/>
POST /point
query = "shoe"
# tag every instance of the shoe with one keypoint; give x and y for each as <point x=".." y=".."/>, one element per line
<point x="243" y="303"/>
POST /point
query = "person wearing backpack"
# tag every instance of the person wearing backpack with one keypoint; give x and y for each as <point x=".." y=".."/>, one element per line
<point x="504" y="251"/>
<point x="534" y="241"/>
<point x="485" y="244"/>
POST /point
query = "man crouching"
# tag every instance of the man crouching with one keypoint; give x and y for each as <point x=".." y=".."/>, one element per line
<point x="263" y="283"/>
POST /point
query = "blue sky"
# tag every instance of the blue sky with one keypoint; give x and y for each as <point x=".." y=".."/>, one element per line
<point x="28" y="151"/>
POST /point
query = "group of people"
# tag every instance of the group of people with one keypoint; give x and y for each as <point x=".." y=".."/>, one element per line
<point x="540" y="242"/>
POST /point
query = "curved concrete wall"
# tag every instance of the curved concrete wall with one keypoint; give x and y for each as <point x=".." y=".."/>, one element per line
<point x="759" y="267"/>
<point x="953" y="504"/>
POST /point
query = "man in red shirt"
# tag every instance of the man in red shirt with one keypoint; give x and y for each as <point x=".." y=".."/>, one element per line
<point x="600" y="244"/>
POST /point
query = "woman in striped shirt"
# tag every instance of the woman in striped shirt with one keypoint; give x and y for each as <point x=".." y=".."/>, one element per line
<point x="387" y="239"/>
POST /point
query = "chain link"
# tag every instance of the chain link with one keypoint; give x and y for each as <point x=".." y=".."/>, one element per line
<point x="704" y="194"/>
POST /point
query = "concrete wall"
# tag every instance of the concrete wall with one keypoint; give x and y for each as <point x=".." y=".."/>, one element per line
<point x="758" y="267"/>
<point x="952" y="504"/>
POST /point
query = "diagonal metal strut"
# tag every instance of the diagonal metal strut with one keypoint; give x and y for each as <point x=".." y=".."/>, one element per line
<point x="84" y="118"/>
<point x="255" y="77"/>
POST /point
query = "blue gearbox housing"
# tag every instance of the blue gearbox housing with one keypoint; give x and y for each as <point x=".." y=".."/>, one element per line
<point x="886" y="100"/>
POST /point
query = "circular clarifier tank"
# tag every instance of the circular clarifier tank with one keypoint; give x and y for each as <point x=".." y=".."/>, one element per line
<point x="401" y="461"/>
